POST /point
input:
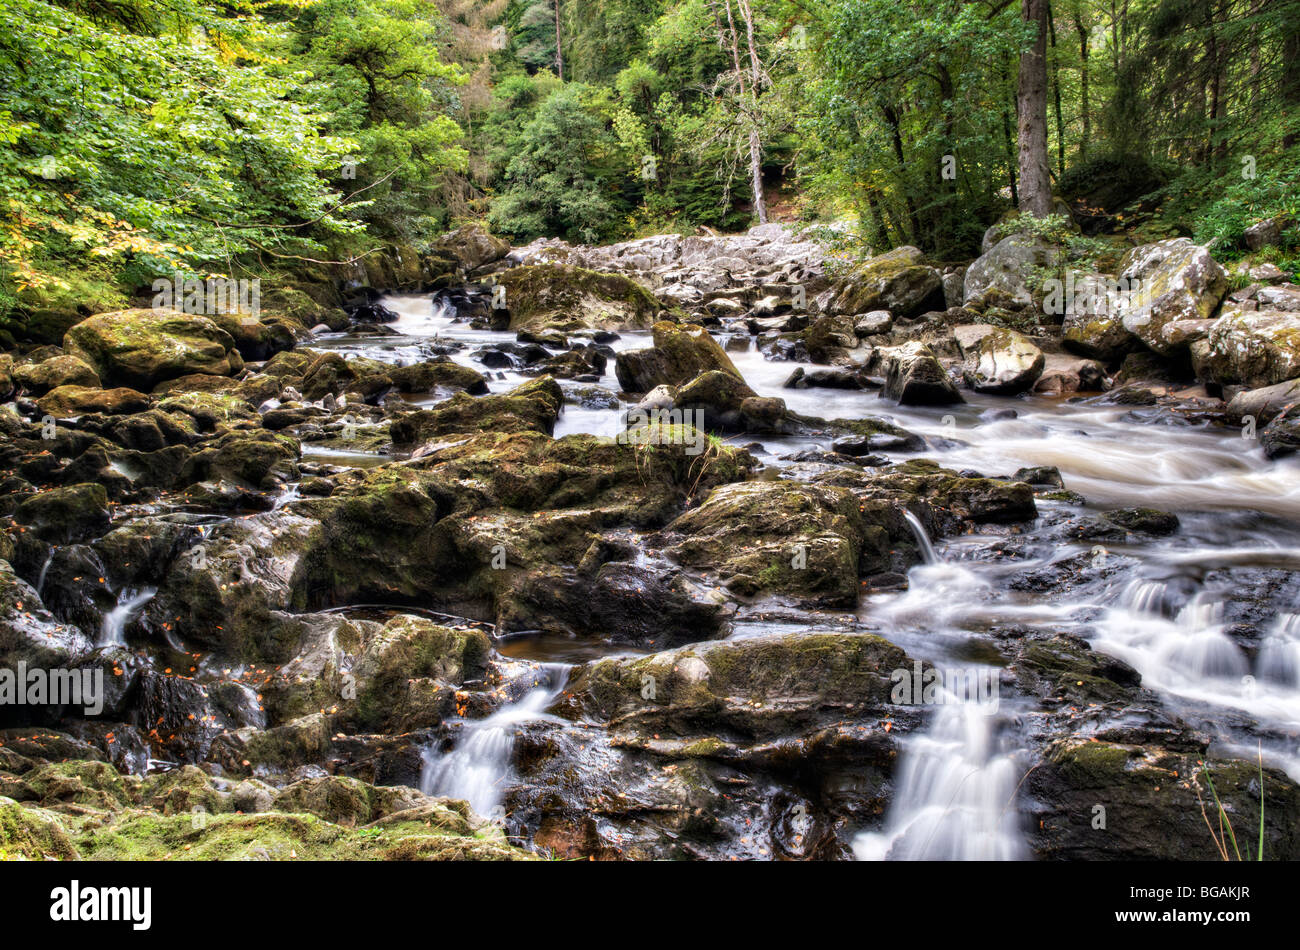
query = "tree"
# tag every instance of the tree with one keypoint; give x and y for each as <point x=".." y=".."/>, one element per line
<point x="1031" y="111"/>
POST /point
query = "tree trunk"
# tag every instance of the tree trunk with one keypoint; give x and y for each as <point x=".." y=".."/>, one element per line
<point x="1056" y="95"/>
<point x="559" y="50"/>
<point x="1035" y="186"/>
<point x="1291" y="77"/>
<point x="755" y="143"/>
<point x="1083" y="84"/>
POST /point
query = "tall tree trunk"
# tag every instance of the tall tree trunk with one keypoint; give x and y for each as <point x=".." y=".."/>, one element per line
<point x="1056" y="95"/>
<point x="755" y="142"/>
<point x="1031" y="100"/>
<point x="559" y="50"/>
<point x="1083" y="84"/>
<point x="1291" y="77"/>
<point x="1010" y="140"/>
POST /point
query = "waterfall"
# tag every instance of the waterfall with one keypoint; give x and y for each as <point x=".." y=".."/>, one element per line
<point x="922" y="539"/>
<point x="129" y="604"/>
<point x="40" y="580"/>
<point x="956" y="796"/>
<point x="479" y="769"/>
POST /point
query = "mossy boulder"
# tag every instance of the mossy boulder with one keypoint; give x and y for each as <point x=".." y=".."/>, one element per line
<point x="1004" y="363"/>
<point x="140" y="348"/>
<point x="765" y="686"/>
<point x="471" y="246"/>
<point x="1169" y="282"/>
<point x="533" y="407"/>
<point x="69" y="401"/>
<point x="1251" y="347"/>
<point x="65" y="370"/>
<point x="1094" y="319"/>
<point x="783" y="537"/>
<point x="898" y="281"/>
<point x="438" y="374"/>
<point x="1158" y="804"/>
<point x="1011" y="274"/>
<point x="65" y="514"/>
<point x="33" y="834"/>
<point x="680" y="353"/>
<point x="559" y="297"/>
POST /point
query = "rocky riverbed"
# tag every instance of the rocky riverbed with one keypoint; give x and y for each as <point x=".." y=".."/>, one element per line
<point x="625" y="552"/>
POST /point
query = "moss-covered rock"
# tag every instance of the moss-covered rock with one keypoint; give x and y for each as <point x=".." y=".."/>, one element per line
<point x="680" y="353"/>
<point x="66" y="514"/>
<point x="140" y="348"/>
<point x="1168" y="282"/>
<point x="67" y="401"/>
<point x="40" y="378"/>
<point x="32" y="834"/>
<point x="533" y="407"/>
<point x="1251" y="347"/>
<point x="898" y="281"/>
<point x="560" y="297"/>
<point x="780" y="537"/>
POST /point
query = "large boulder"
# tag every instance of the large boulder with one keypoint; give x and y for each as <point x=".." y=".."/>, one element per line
<point x="1004" y="363"/>
<point x="472" y="246"/>
<point x="560" y="297"/>
<point x="1265" y="403"/>
<point x="1008" y="275"/>
<point x="680" y="353"/>
<point x="1094" y="318"/>
<point x="40" y="378"/>
<point x="897" y="281"/>
<point x="781" y="537"/>
<point x="78" y="400"/>
<point x="1169" y="282"/>
<point x="914" y="376"/>
<point x="141" y="348"/>
<point x="1251" y="347"/>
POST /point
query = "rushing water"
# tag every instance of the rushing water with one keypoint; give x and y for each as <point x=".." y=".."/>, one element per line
<point x="1165" y="615"/>
<point x="129" y="605"/>
<point x="478" y="769"/>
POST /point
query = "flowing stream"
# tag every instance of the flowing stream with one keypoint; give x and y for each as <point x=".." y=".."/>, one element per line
<point x="1164" y="612"/>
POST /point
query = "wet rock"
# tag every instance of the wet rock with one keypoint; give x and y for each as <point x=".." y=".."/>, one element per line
<point x="873" y="322"/>
<point x="561" y="297"/>
<point x="68" y="401"/>
<point x="28" y="632"/>
<point x="1157" y="801"/>
<point x="679" y="354"/>
<point x="140" y="348"/>
<point x="897" y="281"/>
<point x="1005" y="363"/>
<point x="1063" y="374"/>
<point x="1040" y="475"/>
<point x="66" y="514"/>
<point x="915" y="377"/>
<point x="1282" y="436"/>
<point x="1146" y="520"/>
<point x="1255" y="348"/>
<point x="1176" y="280"/>
<point x="40" y="378"/>
<point x="1265" y="403"/>
<point x="824" y="378"/>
